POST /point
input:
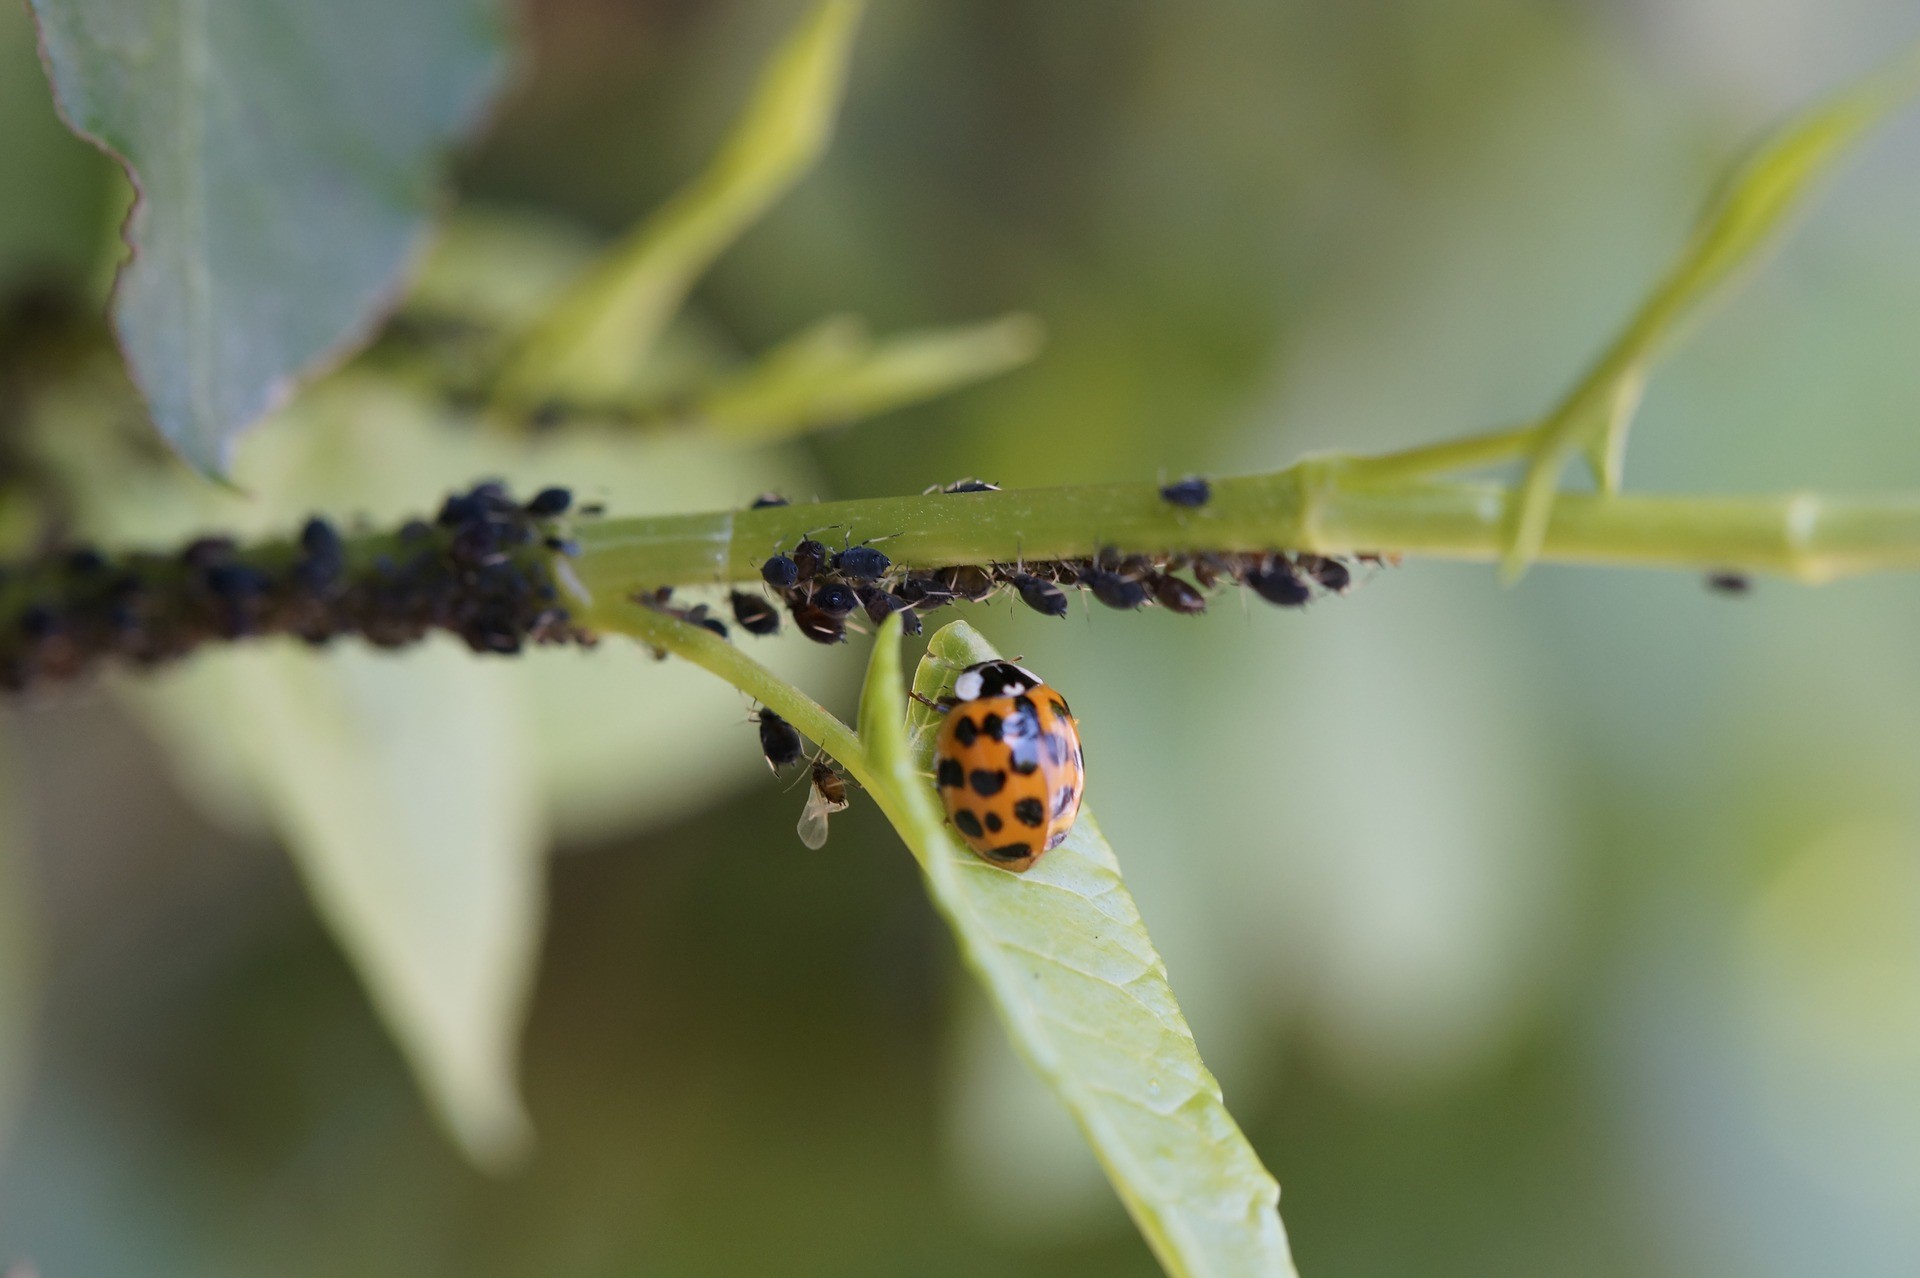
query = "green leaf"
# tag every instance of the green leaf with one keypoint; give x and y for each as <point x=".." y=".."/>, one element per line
<point x="286" y="155"/>
<point x="834" y="372"/>
<point x="1746" y="216"/>
<point x="601" y="332"/>
<point x="1066" y="960"/>
<point x="399" y="785"/>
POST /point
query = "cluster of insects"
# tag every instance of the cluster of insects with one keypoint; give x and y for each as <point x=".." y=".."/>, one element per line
<point x="826" y="789"/>
<point x="479" y="569"/>
<point x="1010" y="769"/>
<point x="824" y="590"/>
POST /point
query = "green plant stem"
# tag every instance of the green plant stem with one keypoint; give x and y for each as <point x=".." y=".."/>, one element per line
<point x="716" y="656"/>
<point x="1323" y="505"/>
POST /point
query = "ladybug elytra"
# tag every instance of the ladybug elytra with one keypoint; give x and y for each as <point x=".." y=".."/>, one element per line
<point x="1008" y="764"/>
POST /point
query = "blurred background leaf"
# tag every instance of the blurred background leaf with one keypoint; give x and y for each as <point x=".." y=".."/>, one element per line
<point x="403" y="791"/>
<point x="834" y="372"/>
<point x="287" y="156"/>
<point x="607" y="323"/>
<point x="19" y="946"/>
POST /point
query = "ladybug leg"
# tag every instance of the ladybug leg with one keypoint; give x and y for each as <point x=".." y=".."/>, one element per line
<point x="940" y="706"/>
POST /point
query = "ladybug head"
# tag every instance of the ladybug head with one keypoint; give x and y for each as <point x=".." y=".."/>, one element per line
<point x="994" y="679"/>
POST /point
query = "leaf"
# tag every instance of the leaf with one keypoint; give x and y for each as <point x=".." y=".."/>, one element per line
<point x="1066" y="960"/>
<point x="834" y="372"/>
<point x="285" y="154"/>
<point x="398" y="784"/>
<point x="1745" y="216"/>
<point x="602" y="330"/>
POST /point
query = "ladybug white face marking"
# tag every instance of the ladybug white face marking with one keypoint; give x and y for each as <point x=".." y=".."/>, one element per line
<point x="993" y="679"/>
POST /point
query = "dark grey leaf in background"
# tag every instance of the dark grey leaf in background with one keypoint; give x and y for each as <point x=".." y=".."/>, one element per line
<point x="287" y="157"/>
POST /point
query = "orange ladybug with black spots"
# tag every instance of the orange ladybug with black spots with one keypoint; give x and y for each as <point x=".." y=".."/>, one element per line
<point x="1008" y="764"/>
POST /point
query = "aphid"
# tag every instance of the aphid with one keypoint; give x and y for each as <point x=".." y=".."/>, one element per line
<point x="323" y="555"/>
<point x="1209" y="570"/>
<point x="861" y="563"/>
<point x="879" y="604"/>
<point x="699" y="616"/>
<point x="1190" y="492"/>
<point x="910" y="623"/>
<point x="836" y="600"/>
<point x="809" y="557"/>
<point x="821" y="627"/>
<point x="1043" y="597"/>
<point x="1729" y="583"/>
<point x="549" y="502"/>
<point x="968" y="485"/>
<point x="779" y="740"/>
<point x="967" y="581"/>
<point x="1276" y="582"/>
<point x="754" y="613"/>
<point x="767" y="500"/>
<point x="826" y="795"/>
<point x="924" y="593"/>
<point x="205" y="551"/>
<point x="780" y="572"/>
<point x="1008" y="764"/>
<point x="1330" y="573"/>
<point x="460" y="508"/>
<point x="1178" y="596"/>
<point x="1113" y="590"/>
<point x="476" y="545"/>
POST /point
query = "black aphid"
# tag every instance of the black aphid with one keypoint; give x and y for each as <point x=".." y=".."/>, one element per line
<point x="699" y="616"/>
<point x="1275" y="581"/>
<point x="1729" y="583"/>
<point x="861" y="563"/>
<point x="836" y="600"/>
<point x="779" y="740"/>
<point x="1190" y="492"/>
<point x="767" y="500"/>
<point x="809" y="557"/>
<point x="817" y="625"/>
<point x="549" y="502"/>
<point x="754" y="613"/>
<point x="966" y="581"/>
<point x="1178" y="596"/>
<point x="878" y="603"/>
<point x="1330" y="573"/>
<point x="780" y="572"/>
<point x="1043" y="597"/>
<point x="1113" y="590"/>
<point x="924" y="593"/>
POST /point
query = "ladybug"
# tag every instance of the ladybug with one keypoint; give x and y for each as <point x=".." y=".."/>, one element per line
<point x="1008" y="764"/>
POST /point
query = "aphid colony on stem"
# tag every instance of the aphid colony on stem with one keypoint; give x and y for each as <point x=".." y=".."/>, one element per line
<point x="484" y="568"/>
<point x="822" y="590"/>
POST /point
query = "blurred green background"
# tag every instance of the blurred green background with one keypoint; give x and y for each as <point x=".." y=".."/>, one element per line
<point x="1573" y="928"/>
